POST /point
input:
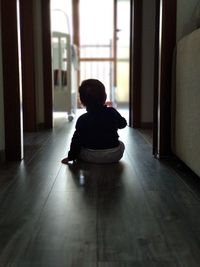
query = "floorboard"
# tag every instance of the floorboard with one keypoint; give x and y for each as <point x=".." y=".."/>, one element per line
<point x="138" y="212"/>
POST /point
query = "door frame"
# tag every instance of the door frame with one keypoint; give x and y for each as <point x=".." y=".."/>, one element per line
<point x="28" y="65"/>
<point x="47" y="64"/>
<point x="11" y="81"/>
<point x="135" y="63"/>
<point x="165" y="40"/>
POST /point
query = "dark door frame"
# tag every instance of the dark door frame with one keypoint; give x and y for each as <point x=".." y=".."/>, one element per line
<point x="28" y="65"/>
<point x="11" y="73"/>
<point x="165" y="40"/>
<point x="11" y="82"/>
<point x="47" y="64"/>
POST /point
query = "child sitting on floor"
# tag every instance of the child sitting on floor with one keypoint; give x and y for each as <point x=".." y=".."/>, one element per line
<point x="95" y="138"/>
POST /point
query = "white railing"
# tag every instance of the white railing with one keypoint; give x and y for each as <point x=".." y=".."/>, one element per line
<point x="96" y="61"/>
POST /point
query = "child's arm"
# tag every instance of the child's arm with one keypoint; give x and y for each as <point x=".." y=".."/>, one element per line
<point x="76" y="143"/>
<point x="75" y="148"/>
<point x="121" y="121"/>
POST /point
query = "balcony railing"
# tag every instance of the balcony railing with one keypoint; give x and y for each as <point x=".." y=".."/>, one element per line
<point x="97" y="61"/>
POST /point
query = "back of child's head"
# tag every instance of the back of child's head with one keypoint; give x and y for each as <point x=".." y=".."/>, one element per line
<point x="92" y="93"/>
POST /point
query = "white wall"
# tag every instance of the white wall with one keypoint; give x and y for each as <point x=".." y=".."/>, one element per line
<point x="2" y="140"/>
<point x="148" y="36"/>
<point x="187" y="115"/>
<point x="186" y="12"/>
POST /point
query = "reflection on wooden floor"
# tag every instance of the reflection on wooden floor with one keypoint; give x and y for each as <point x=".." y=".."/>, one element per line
<point x="138" y="212"/>
<point x="147" y="135"/>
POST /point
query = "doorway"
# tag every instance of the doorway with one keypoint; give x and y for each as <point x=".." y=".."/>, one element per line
<point x="102" y="44"/>
<point x="162" y="86"/>
<point x="104" y="47"/>
<point x="64" y="67"/>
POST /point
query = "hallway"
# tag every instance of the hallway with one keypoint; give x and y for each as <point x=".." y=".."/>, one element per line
<point x="138" y="212"/>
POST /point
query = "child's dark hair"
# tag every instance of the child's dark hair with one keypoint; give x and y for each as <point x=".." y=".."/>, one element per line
<point x="92" y="93"/>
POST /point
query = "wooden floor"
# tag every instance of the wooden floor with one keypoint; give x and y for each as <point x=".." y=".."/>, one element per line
<point x="138" y="212"/>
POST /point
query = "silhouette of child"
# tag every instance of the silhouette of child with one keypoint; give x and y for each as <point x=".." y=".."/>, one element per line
<point x="95" y="138"/>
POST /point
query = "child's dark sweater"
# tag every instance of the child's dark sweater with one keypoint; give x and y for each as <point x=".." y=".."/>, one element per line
<point x="96" y="129"/>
